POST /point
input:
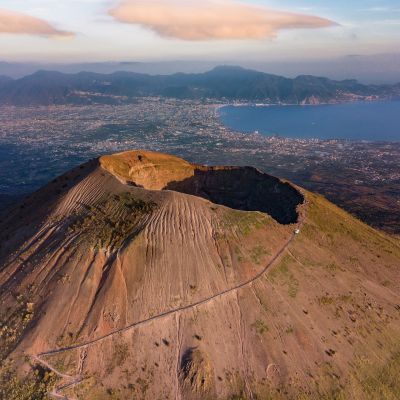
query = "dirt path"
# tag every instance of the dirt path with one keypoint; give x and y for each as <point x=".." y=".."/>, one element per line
<point x="75" y="380"/>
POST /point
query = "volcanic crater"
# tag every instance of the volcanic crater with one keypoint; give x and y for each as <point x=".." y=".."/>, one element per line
<point x="141" y="275"/>
<point x="240" y="188"/>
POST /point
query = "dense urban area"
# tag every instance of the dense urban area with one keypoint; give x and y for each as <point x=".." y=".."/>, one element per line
<point x="38" y="143"/>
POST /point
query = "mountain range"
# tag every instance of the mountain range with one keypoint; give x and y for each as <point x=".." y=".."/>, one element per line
<point x="224" y="83"/>
<point x="140" y="275"/>
<point x="371" y="69"/>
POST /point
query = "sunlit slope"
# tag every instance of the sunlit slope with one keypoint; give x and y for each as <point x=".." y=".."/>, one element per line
<point x="165" y="294"/>
<point x="147" y="169"/>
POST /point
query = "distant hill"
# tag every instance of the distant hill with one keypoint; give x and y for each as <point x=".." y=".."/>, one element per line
<point x="4" y="79"/>
<point x="143" y="276"/>
<point x="223" y="83"/>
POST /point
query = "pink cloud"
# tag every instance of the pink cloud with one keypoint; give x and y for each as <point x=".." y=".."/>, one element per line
<point x="15" y="22"/>
<point x="211" y="19"/>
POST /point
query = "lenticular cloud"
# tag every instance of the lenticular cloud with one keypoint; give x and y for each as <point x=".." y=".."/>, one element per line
<point x="14" y="22"/>
<point x="211" y="19"/>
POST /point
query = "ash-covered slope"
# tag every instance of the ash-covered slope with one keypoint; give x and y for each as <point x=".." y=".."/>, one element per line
<point x="140" y="275"/>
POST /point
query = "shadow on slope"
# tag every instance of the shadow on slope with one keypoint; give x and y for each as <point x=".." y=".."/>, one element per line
<point x="245" y="189"/>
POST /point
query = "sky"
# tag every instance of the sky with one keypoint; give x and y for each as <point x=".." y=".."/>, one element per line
<point x="155" y="30"/>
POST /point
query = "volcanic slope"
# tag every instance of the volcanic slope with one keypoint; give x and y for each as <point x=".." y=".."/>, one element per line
<point x="142" y="276"/>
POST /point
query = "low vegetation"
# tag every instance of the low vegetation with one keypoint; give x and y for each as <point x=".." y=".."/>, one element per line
<point x="332" y="227"/>
<point x="13" y="324"/>
<point x="380" y="383"/>
<point x="113" y="220"/>
<point x="120" y="354"/>
<point x="260" y="326"/>
<point x="35" y="386"/>
<point x="245" y="222"/>
<point x="258" y="253"/>
<point x="283" y="275"/>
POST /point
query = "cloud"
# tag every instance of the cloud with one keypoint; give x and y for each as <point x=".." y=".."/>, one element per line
<point x="211" y="19"/>
<point x="18" y="23"/>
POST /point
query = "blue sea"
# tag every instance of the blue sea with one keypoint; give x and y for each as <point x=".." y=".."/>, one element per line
<point x="372" y="121"/>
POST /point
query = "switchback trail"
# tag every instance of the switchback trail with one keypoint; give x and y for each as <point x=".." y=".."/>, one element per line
<point x="75" y="380"/>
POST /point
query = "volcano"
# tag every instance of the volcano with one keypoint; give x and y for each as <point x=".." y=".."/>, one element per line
<point x="142" y="276"/>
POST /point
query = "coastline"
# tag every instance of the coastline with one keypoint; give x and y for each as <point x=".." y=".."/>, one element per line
<point x="218" y="106"/>
<point x="302" y="104"/>
<point x="336" y="123"/>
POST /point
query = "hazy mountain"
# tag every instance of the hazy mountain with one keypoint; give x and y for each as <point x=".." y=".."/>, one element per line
<point x="19" y="70"/>
<point x="4" y="79"/>
<point x="140" y="275"/>
<point x="221" y="83"/>
<point x="375" y="69"/>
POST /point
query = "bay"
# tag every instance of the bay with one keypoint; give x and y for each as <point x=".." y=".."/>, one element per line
<point x="369" y="121"/>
